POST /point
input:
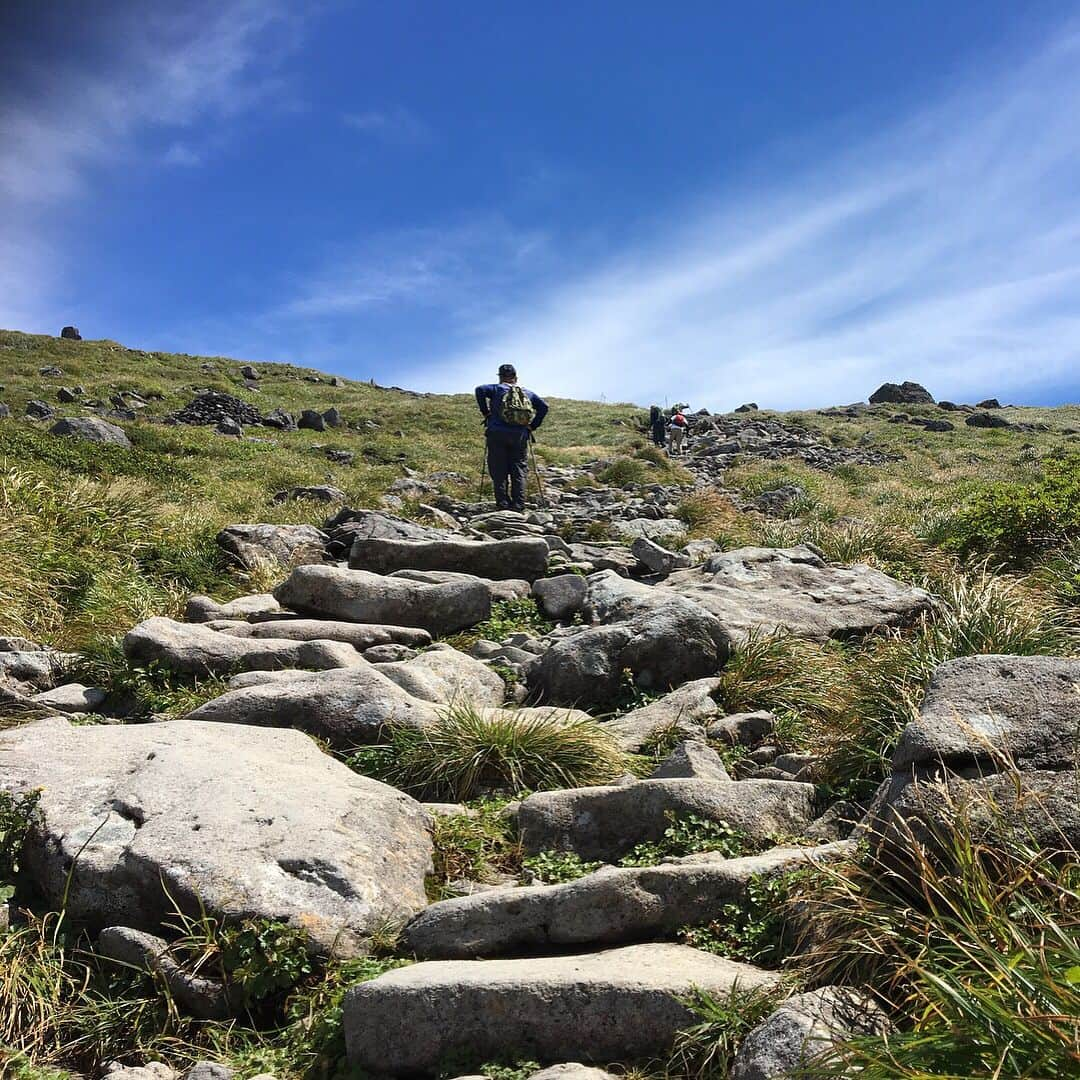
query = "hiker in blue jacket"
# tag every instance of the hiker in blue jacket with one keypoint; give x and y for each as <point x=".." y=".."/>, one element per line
<point x="511" y="415"/>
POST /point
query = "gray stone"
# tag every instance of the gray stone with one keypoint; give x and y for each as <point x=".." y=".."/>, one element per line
<point x="365" y="597"/>
<point x="939" y="425"/>
<point x="571" y="1070"/>
<point x="803" y="1029"/>
<point x="209" y="815"/>
<point x="248" y="372"/>
<point x="316" y="493"/>
<point x="606" y="822"/>
<point x="768" y="589"/>
<point x="198" y="996"/>
<point x="347" y="708"/>
<point x="361" y="636"/>
<point x="743" y="729"/>
<point x="388" y="654"/>
<point x="986" y="420"/>
<point x="505" y="589"/>
<point x="39" y="410"/>
<point x="661" y="530"/>
<point x="656" y="558"/>
<point x="209" y="1070"/>
<point x="523" y="558"/>
<point x="444" y="675"/>
<point x="614" y="905"/>
<point x="620" y="1004"/>
<point x="90" y="429"/>
<point x="905" y="393"/>
<point x="201" y="609"/>
<point x="988" y="711"/>
<point x="274" y="545"/>
<point x="152" y="1070"/>
<point x="683" y="711"/>
<point x="691" y="759"/>
<point x="39" y="669"/>
<point x="560" y="597"/>
<point x="312" y="420"/>
<point x="71" y="697"/>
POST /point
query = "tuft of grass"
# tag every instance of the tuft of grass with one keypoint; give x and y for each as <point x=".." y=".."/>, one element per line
<point x="474" y="847"/>
<point x="469" y="753"/>
<point x="707" y="513"/>
<point x="507" y="617"/>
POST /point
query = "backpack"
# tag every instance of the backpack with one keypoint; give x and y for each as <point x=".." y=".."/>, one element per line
<point x="516" y="407"/>
<point x="678" y="420"/>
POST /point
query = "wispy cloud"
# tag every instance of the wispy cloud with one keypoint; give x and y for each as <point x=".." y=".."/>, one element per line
<point x="397" y="126"/>
<point x="945" y="250"/>
<point x="165" y="68"/>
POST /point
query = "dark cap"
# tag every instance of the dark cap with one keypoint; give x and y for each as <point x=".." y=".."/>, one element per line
<point x="507" y="371"/>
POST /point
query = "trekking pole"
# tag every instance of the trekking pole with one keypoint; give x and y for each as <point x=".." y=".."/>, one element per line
<point x="483" y="473"/>
<point x="536" y="470"/>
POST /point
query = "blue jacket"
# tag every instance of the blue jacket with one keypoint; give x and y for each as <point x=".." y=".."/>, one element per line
<point x="489" y="398"/>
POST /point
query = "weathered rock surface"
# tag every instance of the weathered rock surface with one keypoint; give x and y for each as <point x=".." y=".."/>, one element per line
<point x="360" y="636"/>
<point x="241" y="821"/>
<point x="606" y="822"/>
<point x="203" y="609"/>
<point x="523" y="558"/>
<point x="348" y="708"/>
<point x="905" y="393"/>
<point x="360" y="596"/>
<point x="501" y="589"/>
<point x="90" y="429"/>
<point x="691" y="759"/>
<point x="742" y="729"/>
<point x="795" y="589"/>
<point x="803" y="1029"/>
<point x="684" y="710"/>
<point x="443" y="675"/>
<point x="71" y="697"/>
<point x="40" y="669"/>
<point x="193" y="649"/>
<point x="560" y="597"/>
<point x="284" y="545"/>
<point x="619" y="1004"/>
<point x="610" y="906"/>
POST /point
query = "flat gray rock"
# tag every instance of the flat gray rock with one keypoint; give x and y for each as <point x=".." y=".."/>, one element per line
<point x="620" y="1004"/>
<point x="359" y="635"/>
<point x="691" y="759"/>
<point x="606" y="822"/>
<point x="360" y="596"/>
<point x="1023" y="709"/>
<point x="443" y="675"/>
<point x="192" y="649"/>
<point x="347" y="708"/>
<point x="611" y="906"/>
<point x="502" y="589"/>
<point x="243" y="821"/>
<point x="685" y="711"/>
<point x="524" y="558"/>
<point x="71" y="697"/>
<point x="203" y="609"/>
<point x="274" y="545"/>
<point x="768" y="589"/>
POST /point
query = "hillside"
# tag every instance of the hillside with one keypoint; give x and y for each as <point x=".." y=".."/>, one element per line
<point x="711" y="766"/>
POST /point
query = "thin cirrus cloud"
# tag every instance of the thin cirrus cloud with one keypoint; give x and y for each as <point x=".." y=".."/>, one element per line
<point x="396" y="126"/>
<point x="946" y="250"/>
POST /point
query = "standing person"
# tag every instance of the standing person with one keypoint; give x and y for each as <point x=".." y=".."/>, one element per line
<point x="676" y="433"/>
<point x="511" y="415"/>
<point x="656" y="425"/>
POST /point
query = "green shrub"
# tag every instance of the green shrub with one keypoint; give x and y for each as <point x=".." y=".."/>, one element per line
<point x="688" y="834"/>
<point x="557" y="867"/>
<point x="468" y="753"/>
<point x="522" y="616"/>
<point x="17" y="813"/>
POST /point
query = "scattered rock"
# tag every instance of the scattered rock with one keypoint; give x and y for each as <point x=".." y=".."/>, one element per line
<point x="750" y="406"/>
<point x="656" y="558"/>
<point x="39" y="410"/>
<point x="494" y="559"/>
<point x="280" y="419"/>
<point x="280" y="545"/>
<point x="72" y="698"/>
<point x="620" y="1005"/>
<point x="780" y="501"/>
<point x="317" y="493"/>
<point x="90" y="429"/>
<point x="248" y="372"/>
<point x="989" y="403"/>
<point x="360" y="596"/>
<point x="906" y="393"/>
<point x="210" y="813"/>
<point x="987" y="420"/>
<point x="443" y="675"/>
<point x="691" y="759"/>
<point x="202" y="609"/>
<point x="743" y="729"/>
<point x="560" y="597"/>
<point x="360" y="636"/>
<point x="213" y="407"/>
<point x="71" y="333"/>
<point x="683" y="711"/>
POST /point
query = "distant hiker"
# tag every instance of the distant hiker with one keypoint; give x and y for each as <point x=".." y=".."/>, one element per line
<point x="676" y="433"/>
<point x="511" y="415"/>
<point x="656" y="425"/>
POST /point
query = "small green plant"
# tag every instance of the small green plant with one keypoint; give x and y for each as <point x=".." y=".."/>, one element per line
<point x="261" y="958"/>
<point x="557" y="867"/>
<point x="507" y="617"/>
<point x="688" y="834"/>
<point x="17" y="814"/>
<point x="474" y="847"/>
<point x="468" y="753"/>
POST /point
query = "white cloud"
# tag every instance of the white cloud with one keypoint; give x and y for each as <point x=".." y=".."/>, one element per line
<point x="397" y="126"/>
<point x="181" y="154"/>
<point x="944" y="250"/>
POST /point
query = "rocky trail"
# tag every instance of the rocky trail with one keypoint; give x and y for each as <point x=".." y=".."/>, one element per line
<point x="371" y="633"/>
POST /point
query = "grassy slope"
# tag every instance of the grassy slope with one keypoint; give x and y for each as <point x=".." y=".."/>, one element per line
<point x="93" y="538"/>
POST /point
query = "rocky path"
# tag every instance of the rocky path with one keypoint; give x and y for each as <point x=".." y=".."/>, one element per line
<point x="234" y="809"/>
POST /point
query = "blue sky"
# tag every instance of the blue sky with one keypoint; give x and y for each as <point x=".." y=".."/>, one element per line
<point x="780" y="201"/>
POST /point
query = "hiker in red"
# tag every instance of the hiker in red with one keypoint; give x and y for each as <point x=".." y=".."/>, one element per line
<point x="511" y="415"/>
<point x="676" y="433"/>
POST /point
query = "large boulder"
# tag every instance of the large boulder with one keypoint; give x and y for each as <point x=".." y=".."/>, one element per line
<point x="273" y="545"/>
<point x="346" y="708"/>
<point x="905" y="393"/>
<point x="500" y="589"/>
<point x="231" y="820"/>
<point x="560" y="597"/>
<point x="193" y="649"/>
<point x="802" y="1031"/>
<point x="616" y="1005"/>
<point x="606" y="822"/>
<point x="360" y="636"/>
<point x="349" y="525"/>
<point x="360" y="596"/>
<point x="90" y="429"/>
<point x="523" y="558"/>
<point x="444" y="675"/>
<point x="683" y="711"/>
<point x="795" y="589"/>
<point x="611" y="906"/>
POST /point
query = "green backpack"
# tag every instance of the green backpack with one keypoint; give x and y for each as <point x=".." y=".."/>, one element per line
<point x="517" y="407"/>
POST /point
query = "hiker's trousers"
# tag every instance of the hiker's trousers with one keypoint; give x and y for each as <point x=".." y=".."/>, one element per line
<point x="675" y="439"/>
<point x="508" y="460"/>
